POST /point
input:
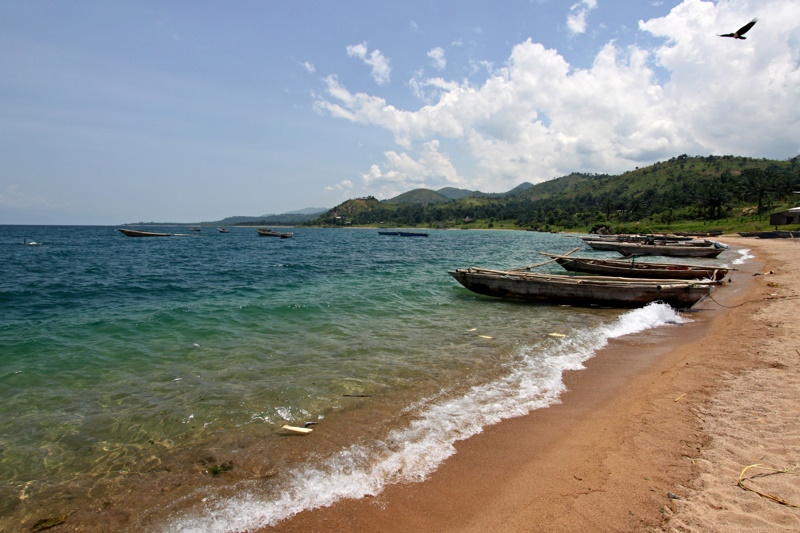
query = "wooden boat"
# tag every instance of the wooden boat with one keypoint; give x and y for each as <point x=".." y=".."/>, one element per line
<point x="709" y="233"/>
<point x="195" y="229"/>
<point x="778" y="234"/>
<point x="711" y="249"/>
<point x="138" y="233"/>
<point x="264" y="232"/>
<point x="581" y="290"/>
<point x="650" y="237"/>
<point x="638" y="269"/>
<point x="223" y="230"/>
<point x="403" y="233"/>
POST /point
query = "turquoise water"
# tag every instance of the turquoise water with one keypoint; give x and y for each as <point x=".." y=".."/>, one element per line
<point x="133" y="363"/>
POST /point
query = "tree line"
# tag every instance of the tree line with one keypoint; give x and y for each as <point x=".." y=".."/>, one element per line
<point x="681" y="189"/>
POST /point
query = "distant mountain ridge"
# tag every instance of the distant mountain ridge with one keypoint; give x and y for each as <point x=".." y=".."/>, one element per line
<point x="290" y="218"/>
<point x="447" y="194"/>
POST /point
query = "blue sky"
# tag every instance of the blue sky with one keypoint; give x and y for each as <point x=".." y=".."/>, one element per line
<point x="114" y="112"/>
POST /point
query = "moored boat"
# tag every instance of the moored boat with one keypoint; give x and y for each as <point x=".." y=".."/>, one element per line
<point x="650" y="237"/>
<point x="139" y="233"/>
<point x="223" y="230"/>
<point x="265" y="232"/>
<point x="412" y="234"/>
<point x="582" y="290"/>
<point x="638" y="269"/>
<point x="195" y="229"/>
<point x="777" y="234"/>
<point x="390" y="233"/>
<point x="711" y="249"/>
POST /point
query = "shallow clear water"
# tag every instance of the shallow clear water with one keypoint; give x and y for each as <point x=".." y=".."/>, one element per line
<point x="128" y="361"/>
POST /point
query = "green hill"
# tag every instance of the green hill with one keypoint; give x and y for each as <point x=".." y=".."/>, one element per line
<point x="675" y="193"/>
<point x="419" y="196"/>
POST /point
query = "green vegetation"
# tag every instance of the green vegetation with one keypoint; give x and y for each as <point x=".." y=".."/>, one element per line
<point x="683" y="194"/>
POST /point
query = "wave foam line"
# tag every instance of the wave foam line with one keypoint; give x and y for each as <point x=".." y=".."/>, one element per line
<point x="745" y="255"/>
<point x="411" y="454"/>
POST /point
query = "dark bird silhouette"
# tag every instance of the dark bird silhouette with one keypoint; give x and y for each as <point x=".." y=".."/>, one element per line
<point x="738" y="34"/>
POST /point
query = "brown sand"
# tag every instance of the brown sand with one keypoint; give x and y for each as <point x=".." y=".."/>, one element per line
<point x="651" y="436"/>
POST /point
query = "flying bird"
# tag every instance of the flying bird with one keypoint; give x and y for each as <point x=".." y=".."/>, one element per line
<point x="739" y="34"/>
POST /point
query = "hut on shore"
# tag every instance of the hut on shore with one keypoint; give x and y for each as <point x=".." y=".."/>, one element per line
<point x="790" y="216"/>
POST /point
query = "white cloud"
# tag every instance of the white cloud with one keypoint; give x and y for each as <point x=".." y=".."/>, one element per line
<point x="539" y="117"/>
<point x="401" y="172"/>
<point x="309" y="67"/>
<point x="576" y="18"/>
<point x="13" y="197"/>
<point x="381" y="70"/>
<point x="342" y="186"/>
<point x="437" y="58"/>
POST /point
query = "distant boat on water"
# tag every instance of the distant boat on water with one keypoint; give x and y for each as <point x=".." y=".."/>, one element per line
<point x="396" y="233"/>
<point x="26" y="242"/>
<point x="265" y="232"/>
<point x="223" y="230"/>
<point x="139" y="233"/>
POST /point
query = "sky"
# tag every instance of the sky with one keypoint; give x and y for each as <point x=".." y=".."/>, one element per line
<point x="114" y="112"/>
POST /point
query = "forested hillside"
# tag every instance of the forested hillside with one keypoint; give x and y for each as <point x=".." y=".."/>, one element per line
<point x="679" y="190"/>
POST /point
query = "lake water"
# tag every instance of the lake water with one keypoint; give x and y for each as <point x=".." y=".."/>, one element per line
<point x="144" y="380"/>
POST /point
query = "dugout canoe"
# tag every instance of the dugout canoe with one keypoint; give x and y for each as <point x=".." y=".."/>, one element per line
<point x="265" y="232"/>
<point x="630" y="268"/>
<point x="712" y="249"/>
<point x="139" y="233"/>
<point x="586" y="291"/>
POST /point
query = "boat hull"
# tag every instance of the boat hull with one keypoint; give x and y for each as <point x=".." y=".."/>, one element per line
<point x="633" y="269"/>
<point x="273" y="233"/>
<point x="138" y="233"/>
<point x="669" y="250"/>
<point x="582" y="290"/>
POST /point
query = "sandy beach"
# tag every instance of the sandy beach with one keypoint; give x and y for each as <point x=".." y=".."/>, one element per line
<point x="651" y="436"/>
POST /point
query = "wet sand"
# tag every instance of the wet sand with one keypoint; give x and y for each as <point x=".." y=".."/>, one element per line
<point x="651" y="436"/>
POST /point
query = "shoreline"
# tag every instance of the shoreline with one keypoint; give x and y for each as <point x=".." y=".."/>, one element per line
<point x="626" y="448"/>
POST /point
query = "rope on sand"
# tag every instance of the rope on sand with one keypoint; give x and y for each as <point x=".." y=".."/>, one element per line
<point x="711" y="296"/>
<point x="766" y="298"/>
<point x="773" y="471"/>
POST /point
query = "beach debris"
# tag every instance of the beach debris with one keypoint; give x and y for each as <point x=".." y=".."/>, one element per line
<point x="681" y="396"/>
<point x="556" y="335"/>
<point x="309" y="424"/>
<point x="673" y="496"/>
<point x="485" y="337"/>
<point x="356" y="395"/>
<point x="213" y="467"/>
<point x="296" y="429"/>
<point x="217" y="469"/>
<point x="773" y="471"/>
<point x="473" y="329"/>
<point x="47" y="523"/>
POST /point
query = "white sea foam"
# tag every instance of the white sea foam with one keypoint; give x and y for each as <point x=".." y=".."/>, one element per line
<point x="534" y="381"/>
<point x="745" y="255"/>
